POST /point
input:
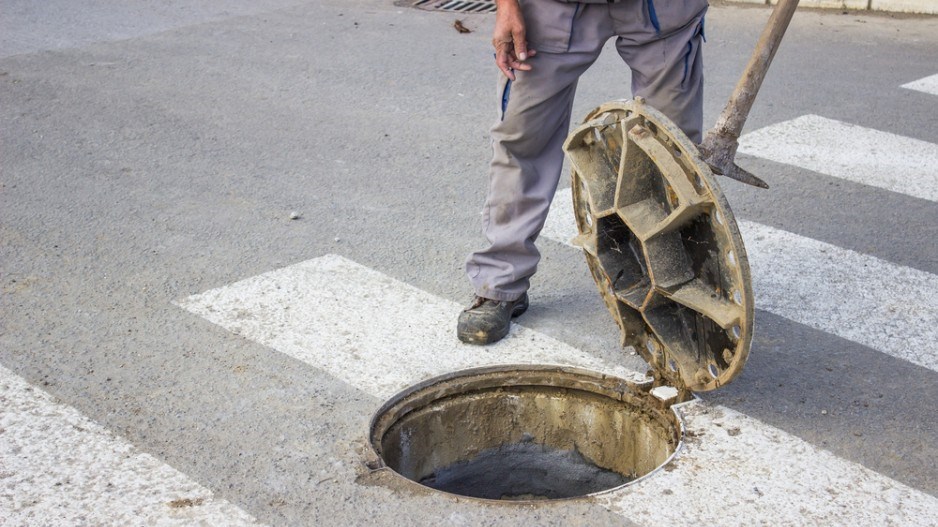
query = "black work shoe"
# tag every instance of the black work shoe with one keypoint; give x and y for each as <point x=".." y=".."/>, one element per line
<point x="487" y="321"/>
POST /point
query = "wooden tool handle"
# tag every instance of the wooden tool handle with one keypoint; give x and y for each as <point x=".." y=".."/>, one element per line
<point x="719" y="146"/>
<point x="734" y="116"/>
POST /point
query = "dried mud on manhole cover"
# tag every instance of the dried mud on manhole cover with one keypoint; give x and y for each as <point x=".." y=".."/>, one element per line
<point x="454" y="6"/>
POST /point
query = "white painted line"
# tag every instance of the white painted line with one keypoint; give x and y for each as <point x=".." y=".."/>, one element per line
<point x="736" y="470"/>
<point x="560" y="225"/>
<point x="381" y="335"/>
<point x="58" y="467"/>
<point x="927" y="85"/>
<point x="366" y="328"/>
<point x="851" y="152"/>
<point x="884" y="306"/>
<point x="881" y="305"/>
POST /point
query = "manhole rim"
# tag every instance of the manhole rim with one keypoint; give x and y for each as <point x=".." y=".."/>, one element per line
<point x="638" y="389"/>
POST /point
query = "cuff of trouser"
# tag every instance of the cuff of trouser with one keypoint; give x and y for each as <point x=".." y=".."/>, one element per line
<point x="499" y="296"/>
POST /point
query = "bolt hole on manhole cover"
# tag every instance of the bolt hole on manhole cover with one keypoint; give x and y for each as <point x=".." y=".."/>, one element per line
<point x="454" y="6"/>
<point x="525" y="433"/>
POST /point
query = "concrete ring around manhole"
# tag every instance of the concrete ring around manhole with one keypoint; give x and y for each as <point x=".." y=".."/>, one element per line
<point x="526" y="433"/>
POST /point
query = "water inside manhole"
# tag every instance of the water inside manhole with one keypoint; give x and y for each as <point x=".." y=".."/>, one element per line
<point x="525" y="433"/>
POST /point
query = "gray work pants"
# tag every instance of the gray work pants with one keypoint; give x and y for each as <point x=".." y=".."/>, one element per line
<point x="658" y="39"/>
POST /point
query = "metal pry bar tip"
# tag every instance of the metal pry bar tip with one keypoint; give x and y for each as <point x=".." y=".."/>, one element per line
<point x="719" y="146"/>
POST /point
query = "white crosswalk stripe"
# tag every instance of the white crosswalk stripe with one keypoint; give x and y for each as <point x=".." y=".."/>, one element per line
<point x="58" y="467"/>
<point x="744" y="472"/>
<point x="862" y="155"/>
<point x="927" y="85"/>
<point x="380" y="335"/>
<point x="881" y="305"/>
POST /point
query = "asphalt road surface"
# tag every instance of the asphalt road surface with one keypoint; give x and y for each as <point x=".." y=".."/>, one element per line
<point x="177" y="346"/>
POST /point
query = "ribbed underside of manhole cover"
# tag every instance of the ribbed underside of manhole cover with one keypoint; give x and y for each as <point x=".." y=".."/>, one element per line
<point x="662" y="244"/>
<point x="457" y="6"/>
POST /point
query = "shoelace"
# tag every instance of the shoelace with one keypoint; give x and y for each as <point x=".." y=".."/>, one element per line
<point x="480" y="301"/>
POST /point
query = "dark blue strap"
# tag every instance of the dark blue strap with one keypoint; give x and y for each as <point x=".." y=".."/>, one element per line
<point x="653" y="15"/>
<point x="505" y="94"/>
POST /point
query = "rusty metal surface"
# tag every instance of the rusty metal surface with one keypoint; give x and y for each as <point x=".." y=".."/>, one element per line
<point x="662" y="245"/>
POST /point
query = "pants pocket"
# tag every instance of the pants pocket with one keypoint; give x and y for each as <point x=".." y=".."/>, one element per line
<point x="549" y="24"/>
<point x="668" y="16"/>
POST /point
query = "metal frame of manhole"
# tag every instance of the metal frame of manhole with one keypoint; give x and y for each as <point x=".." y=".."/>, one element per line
<point x="456" y="6"/>
<point x="636" y="400"/>
<point x="662" y="244"/>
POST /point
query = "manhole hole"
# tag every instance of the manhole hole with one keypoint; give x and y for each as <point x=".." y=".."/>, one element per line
<point x="456" y="6"/>
<point x="525" y="433"/>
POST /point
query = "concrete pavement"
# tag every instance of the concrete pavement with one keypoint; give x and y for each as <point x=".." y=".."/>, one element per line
<point x="151" y="154"/>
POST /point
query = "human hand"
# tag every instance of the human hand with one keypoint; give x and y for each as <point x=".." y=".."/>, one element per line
<point x="511" y="47"/>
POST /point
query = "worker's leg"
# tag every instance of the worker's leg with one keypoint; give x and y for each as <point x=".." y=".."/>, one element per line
<point x="660" y="40"/>
<point x="533" y="123"/>
<point x="523" y="174"/>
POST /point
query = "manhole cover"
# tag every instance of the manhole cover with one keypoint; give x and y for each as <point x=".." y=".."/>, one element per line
<point x="525" y="433"/>
<point x="662" y="244"/>
<point x="456" y="6"/>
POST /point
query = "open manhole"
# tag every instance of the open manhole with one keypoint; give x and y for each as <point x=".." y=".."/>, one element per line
<point x="455" y="6"/>
<point x="525" y="433"/>
<point x="663" y="247"/>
